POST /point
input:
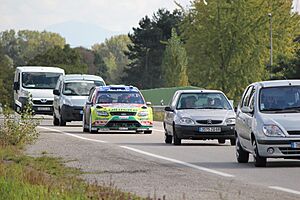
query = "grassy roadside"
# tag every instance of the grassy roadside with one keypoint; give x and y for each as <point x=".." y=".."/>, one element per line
<point x="24" y="177"/>
<point x="158" y="116"/>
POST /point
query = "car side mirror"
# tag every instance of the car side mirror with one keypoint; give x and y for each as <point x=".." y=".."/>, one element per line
<point x="247" y="109"/>
<point x="56" y="92"/>
<point x="148" y="103"/>
<point x="235" y="109"/>
<point x="168" y="109"/>
<point x="16" y="86"/>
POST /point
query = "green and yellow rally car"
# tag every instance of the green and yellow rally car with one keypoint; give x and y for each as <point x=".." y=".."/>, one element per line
<point x="117" y="107"/>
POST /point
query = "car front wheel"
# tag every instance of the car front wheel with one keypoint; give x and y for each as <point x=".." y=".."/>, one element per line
<point x="91" y="130"/>
<point x="242" y="156"/>
<point x="176" y="140"/>
<point x="258" y="160"/>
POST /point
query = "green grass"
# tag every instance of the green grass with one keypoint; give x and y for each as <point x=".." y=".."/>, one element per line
<point x="158" y="116"/>
<point x="24" y="177"/>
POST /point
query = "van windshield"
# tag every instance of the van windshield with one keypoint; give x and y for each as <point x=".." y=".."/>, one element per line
<point x="80" y="88"/>
<point x="39" y="80"/>
<point x="280" y="99"/>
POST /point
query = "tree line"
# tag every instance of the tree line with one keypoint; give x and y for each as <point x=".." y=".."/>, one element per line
<point x="215" y="45"/>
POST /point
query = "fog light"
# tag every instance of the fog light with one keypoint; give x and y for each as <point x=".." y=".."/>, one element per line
<point x="270" y="150"/>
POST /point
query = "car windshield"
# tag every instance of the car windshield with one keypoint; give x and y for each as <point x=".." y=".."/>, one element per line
<point x="203" y="101"/>
<point x="80" y="88"/>
<point x="280" y="99"/>
<point x="120" y="97"/>
<point x="39" y="80"/>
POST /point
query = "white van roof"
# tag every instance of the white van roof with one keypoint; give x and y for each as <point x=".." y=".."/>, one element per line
<point x="40" y="69"/>
<point x="78" y="77"/>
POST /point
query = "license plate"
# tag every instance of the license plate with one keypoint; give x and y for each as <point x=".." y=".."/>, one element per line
<point x="81" y="112"/>
<point x="295" y="145"/>
<point x="43" y="108"/>
<point x="210" y="129"/>
<point x="123" y="117"/>
<point x="123" y="128"/>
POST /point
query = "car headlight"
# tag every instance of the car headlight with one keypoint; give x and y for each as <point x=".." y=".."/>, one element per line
<point x="102" y="113"/>
<point x="273" y="131"/>
<point x="186" y="121"/>
<point x="143" y="114"/>
<point x="230" y="121"/>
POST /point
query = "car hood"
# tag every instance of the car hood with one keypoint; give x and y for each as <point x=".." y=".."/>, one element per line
<point x="204" y="114"/>
<point x="289" y="121"/>
<point x="78" y="100"/>
<point x="122" y="107"/>
<point x="41" y="93"/>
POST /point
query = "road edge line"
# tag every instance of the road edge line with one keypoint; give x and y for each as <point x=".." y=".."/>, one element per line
<point x="285" y="190"/>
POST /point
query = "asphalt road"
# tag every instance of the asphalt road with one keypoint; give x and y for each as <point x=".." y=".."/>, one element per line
<point x="145" y="165"/>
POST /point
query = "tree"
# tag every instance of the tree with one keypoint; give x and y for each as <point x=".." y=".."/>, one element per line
<point x="101" y="68"/>
<point x="228" y="41"/>
<point x="175" y="62"/>
<point x="6" y="79"/>
<point x="112" y="53"/>
<point x="24" y="45"/>
<point x="66" y="58"/>
<point x="146" y="51"/>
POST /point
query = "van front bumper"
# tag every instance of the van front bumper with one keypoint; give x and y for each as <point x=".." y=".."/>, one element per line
<point x="279" y="148"/>
<point x="72" y="113"/>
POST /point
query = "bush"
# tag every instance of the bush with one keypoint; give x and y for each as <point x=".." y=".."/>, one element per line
<point x="18" y="130"/>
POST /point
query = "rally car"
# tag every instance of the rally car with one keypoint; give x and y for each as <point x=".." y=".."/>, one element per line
<point x="117" y="107"/>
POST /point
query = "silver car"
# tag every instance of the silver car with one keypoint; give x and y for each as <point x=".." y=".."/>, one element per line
<point x="268" y="122"/>
<point x="200" y="115"/>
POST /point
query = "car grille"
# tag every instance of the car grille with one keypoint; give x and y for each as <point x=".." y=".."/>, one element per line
<point x="289" y="150"/>
<point x="126" y="124"/>
<point x="209" y="121"/>
<point x="39" y="102"/>
<point x="123" y="113"/>
<point x="294" y="132"/>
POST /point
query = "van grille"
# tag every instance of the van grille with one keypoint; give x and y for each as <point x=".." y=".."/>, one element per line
<point x="209" y="121"/>
<point x="289" y="150"/>
<point x="39" y="102"/>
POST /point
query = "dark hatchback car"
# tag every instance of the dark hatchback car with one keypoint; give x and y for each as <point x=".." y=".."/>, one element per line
<point x="199" y="115"/>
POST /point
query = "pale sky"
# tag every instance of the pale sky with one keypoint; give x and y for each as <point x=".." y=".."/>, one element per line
<point x="113" y="15"/>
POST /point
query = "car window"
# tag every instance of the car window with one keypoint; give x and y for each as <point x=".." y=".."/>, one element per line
<point x="124" y="97"/>
<point x="247" y="96"/>
<point x="173" y="103"/>
<point x="91" y="94"/>
<point x="202" y="100"/>
<point x="279" y="98"/>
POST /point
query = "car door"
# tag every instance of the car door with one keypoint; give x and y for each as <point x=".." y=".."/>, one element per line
<point x="169" y="115"/>
<point x="244" y="120"/>
<point x="88" y="105"/>
<point x="56" y="99"/>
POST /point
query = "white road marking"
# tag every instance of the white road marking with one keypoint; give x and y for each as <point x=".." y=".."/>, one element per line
<point x="179" y="162"/>
<point x="285" y="190"/>
<point x="73" y="135"/>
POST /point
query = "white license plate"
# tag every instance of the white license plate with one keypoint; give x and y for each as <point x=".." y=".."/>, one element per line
<point x="44" y="108"/>
<point x="295" y="145"/>
<point x="123" y="128"/>
<point x="81" y="112"/>
<point x="210" y="129"/>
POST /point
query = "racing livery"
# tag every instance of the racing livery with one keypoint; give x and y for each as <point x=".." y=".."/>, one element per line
<point x="116" y="107"/>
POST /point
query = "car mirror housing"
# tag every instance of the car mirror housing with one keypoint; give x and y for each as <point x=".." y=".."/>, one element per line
<point x="247" y="109"/>
<point x="168" y="109"/>
<point x="16" y="86"/>
<point x="148" y="103"/>
<point x="56" y="92"/>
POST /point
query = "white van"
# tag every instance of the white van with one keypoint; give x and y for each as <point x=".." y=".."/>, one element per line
<point x="70" y="95"/>
<point x="38" y="83"/>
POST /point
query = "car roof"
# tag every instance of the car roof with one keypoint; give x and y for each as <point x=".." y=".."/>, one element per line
<point x="199" y="91"/>
<point x="120" y="88"/>
<point x="81" y="77"/>
<point x="276" y="83"/>
<point x="40" y="69"/>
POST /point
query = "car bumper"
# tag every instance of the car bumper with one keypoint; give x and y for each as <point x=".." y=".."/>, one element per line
<point x="279" y="148"/>
<point x="192" y="132"/>
<point x="44" y="110"/>
<point x="72" y="113"/>
<point x="121" y="125"/>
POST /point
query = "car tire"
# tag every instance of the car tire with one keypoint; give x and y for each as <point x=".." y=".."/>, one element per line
<point x="242" y="156"/>
<point x="258" y="160"/>
<point x="148" y="132"/>
<point x="62" y="122"/>
<point x="55" y="120"/>
<point x="221" y="141"/>
<point x="176" y="140"/>
<point x="168" y="139"/>
<point x="90" y="126"/>
<point x="84" y="129"/>
<point x="232" y="142"/>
